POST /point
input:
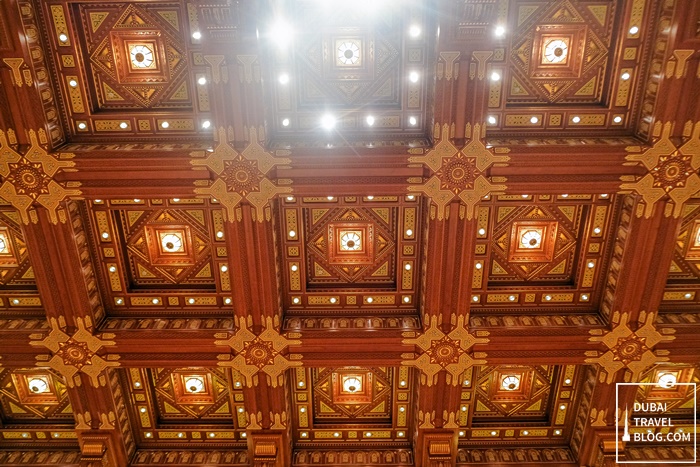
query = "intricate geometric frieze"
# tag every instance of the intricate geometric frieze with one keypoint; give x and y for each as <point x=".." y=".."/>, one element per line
<point x="459" y="174"/>
<point x="253" y="353"/>
<point x="28" y="178"/>
<point x="438" y="351"/>
<point x="672" y="169"/>
<point x="240" y="175"/>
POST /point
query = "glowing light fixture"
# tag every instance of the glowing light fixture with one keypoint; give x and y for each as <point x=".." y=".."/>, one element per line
<point x="414" y="30"/>
<point x="510" y="383"/>
<point x="38" y="386"/>
<point x="328" y="122"/>
<point x="500" y="31"/>
<point x="194" y="385"/>
<point x="667" y="380"/>
<point x="352" y="384"/>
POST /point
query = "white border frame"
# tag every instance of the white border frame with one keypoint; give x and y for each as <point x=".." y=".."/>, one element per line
<point x="665" y="461"/>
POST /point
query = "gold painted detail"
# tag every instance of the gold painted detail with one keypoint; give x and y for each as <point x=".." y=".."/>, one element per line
<point x="628" y="349"/>
<point x="259" y="353"/>
<point x="77" y="353"/>
<point x="15" y="65"/>
<point x="240" y="175"/>
<point x="29" y="178"/>
<point x="440" y="351"/>
<point x="672" y="170"/>
<point x="459" y="173"/>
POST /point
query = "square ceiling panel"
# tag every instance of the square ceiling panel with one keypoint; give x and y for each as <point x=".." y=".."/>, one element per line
<point x="352" y="404"/>
<point x="114" y="58"/>
<point x="161" y="255"/>
<point x="185" y="404"/>
<point x="19" y="292"/>
<point x="547" y="250"/>
<point x="34" y="395"/>
<point x="351" y="252"/>
<point x="350" y="63"/>
<point x="683" y="283"/>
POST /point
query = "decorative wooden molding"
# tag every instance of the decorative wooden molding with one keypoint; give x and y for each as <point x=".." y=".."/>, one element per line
<point x="76" y="353"/>
<point x="440" y="351"/>
<point x="240" y="175"/>
<point x="459" y="173"/>
<point x="629" y="349"/>
<point x="29" y="177"/>
<point x="672" y="170"/>
<point x="258" y="353"/>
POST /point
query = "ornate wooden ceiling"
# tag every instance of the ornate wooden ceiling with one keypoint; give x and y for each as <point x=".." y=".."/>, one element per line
<point x="405" y="233"/>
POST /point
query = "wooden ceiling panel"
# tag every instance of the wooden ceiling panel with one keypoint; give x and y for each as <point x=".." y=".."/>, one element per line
<point x="351" y="253"/>
<point x="352" y="68"/>
<point x="541" y="250"/>
<point x="33" y="395"/>
<point x="18" y="291"/>
<point x="683" y="283"/>
<point x="161" y="254"/>
<point x="352" y="405"/>
<point x="184" y="404"/>
<point x="116" y="58"/>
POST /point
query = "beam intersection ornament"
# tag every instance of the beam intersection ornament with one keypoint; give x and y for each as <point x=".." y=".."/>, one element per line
<point x="440" y="351"/>
<point x="240" y="176"/>
<point x="28" y="178"/>
<point x="460" y="173"/>
<point x="76" y="353"/>
<point x="253" y="353"/>
<point x="672" y="171"/>
<point x="629" y="349"/>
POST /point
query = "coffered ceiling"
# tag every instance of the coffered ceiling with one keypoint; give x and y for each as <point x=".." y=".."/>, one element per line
<point x="272" y="233"/>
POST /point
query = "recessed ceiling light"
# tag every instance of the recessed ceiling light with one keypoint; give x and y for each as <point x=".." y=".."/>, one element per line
<point x="224" y="268"/>
<point x="400" y="434"/>
<point x="475" y="298"/>
<point x="219" y="234"/>
<point x="285" y="122"/>
<point x="548" y="297"/>
<point x="143" y="409"/>
<point x="370" y="120"/>
<point x="196" y="35"/>
<point x="294" y="268"/>
<point x="590" y="265"/>
<point x="576" y="119"/>
<point x="406" y="299"/>
<point x="82" y="125"/>
<point x="534" y="120"/>
<point x="634" y="30"/>
<point x="180" y="435"/>
<point x="495" y="76"/>
<point x="329" y="198"/>
<point x="227" y="301"/>
<point x="584" y="297"/>
<point x="511" y="298"/>
<point x="136" y="200"/>
<point x="191" y="301"/>
<point x="562" y="407"/>
<point x="63" y="37"/>
<point x="148" y="434"/>
<point x="617" y="119"/>
<point x="123" y="125"/>
<point x="328" y="122"/>
<point x="567" y="381"/>
<point x="296" y="301"/>
<point x="478" y="265"/>
<point x="243" y="435"/>
<point x="112" y="269"/>
<point x="119" y="302"/>
<point x="402" y="383"/>
<point x="413" y="76"/>
<point x="202" y="80"/>
<point x="206" y="124"/>
<point x="137" y="384"/>
<point x="482" y="231"/>
<point x="407" y="267"/>
<point x="557" y="432"/>
<point x="283" y="78"/>
<point x="688" y="295"/>
<point x="281" y="34"/>
<point x="412" y="120"/>
<point x="500" y="31"/>
<point x="155" y="301"/>
<point x="165" y="124"/>
<point x="105" y="235"/>
<point x="493" y="433"/>
<point x="409" y="232"/>
<point x="73" y="83"/>
<point x="492" y="120"/>
<point x="336" y="434"/>
<point x="596" y="230"/>
<point x="370" y="299"/>
<point x="625" y="76"/>
<point x="526" y="432"/>
<point x="211" y="435"/>
<point x="410" y="197"/>
<point x="292" y="233"/>
<point x="333" y="300"/>
<point x="414" y="30"/>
